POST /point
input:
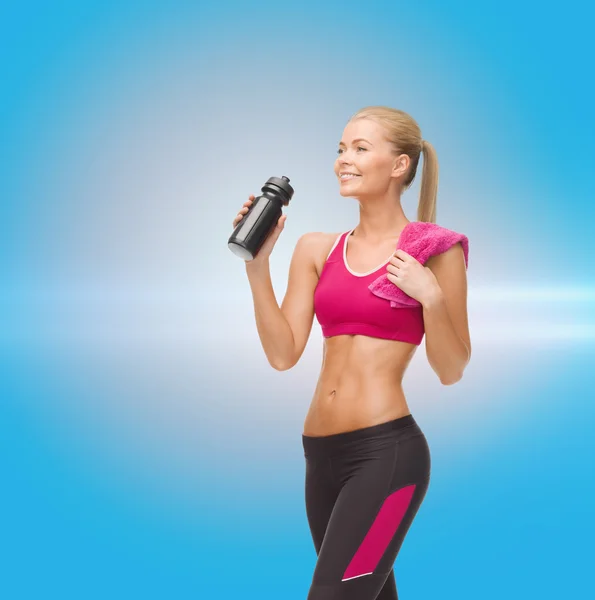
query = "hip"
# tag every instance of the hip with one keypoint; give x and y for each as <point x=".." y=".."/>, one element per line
<point x="373" y="448"/>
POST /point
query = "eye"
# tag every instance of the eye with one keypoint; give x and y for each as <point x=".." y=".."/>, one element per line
<point x="339" y="151"/>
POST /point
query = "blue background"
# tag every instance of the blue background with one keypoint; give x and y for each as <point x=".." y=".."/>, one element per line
<point x="148" y="449"/>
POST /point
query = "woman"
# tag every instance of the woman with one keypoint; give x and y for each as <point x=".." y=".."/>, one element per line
<point x="367" y="460"/>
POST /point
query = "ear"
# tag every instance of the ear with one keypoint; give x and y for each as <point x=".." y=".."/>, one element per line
<point x="401" y="165"/>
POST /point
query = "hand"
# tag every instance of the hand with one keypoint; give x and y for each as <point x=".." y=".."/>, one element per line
<point x="411" y="276"/>
<point x="267" y="247"/>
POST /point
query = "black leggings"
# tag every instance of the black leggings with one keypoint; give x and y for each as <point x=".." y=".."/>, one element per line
<point x="363" y="489"/>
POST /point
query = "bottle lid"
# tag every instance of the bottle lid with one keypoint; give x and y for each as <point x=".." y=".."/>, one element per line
<point x="282" y="183"/>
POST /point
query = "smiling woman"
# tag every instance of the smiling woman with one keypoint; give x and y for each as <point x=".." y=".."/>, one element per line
<point x="367" y="459"/>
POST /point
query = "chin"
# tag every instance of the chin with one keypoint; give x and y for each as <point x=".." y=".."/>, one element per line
<point x="348" y="193"/>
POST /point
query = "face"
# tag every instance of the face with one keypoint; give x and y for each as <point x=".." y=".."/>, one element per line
<point x="365" y="151"/>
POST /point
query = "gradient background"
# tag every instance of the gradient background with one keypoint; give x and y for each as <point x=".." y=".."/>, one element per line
<point x="148" y="449"/>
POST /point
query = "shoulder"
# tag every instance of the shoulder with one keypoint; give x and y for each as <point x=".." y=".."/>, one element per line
<point x="316" y="245"/>
<point x="424" y="227"/>
<point x="451" y="256"/>
<point x="441" y="243"/>
<point x="452" y="248"/>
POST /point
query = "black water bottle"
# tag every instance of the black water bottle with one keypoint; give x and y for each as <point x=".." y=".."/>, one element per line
<point x="261" y="219"/>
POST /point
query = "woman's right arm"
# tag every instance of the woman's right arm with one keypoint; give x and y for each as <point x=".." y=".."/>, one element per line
<point x="284" y="331"/>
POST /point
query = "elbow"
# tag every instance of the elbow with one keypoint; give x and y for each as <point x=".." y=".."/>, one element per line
<point x="282" y="366"/>
<point x="451" y="380"/>
<point x="285" y="365"/>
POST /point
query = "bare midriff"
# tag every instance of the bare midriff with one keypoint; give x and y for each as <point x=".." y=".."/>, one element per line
<point x="360" y="384"/>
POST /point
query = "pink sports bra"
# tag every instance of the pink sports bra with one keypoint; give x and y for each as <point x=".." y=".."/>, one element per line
<point x="343" y="304"/>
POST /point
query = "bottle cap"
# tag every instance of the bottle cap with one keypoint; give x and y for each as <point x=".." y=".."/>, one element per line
<point x="281" y="184"/>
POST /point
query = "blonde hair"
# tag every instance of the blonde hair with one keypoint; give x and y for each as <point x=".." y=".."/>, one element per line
<point x="404" y="134"/>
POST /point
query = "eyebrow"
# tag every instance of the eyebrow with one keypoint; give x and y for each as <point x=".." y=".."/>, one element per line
<point x="357" y="140"/>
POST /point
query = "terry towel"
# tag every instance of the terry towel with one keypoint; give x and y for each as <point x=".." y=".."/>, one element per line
<point x="421" y="240"/>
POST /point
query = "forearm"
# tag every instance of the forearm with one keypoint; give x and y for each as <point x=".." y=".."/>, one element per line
<point x="274" y="331"/>
<point x="447" y="352"/>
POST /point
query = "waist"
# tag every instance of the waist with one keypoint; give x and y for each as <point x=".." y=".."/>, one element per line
<point x="353" y="373"/>
<point x="337" y="443"/>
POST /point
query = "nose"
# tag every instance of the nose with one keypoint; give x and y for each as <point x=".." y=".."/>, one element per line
<point x="344" y="157"/>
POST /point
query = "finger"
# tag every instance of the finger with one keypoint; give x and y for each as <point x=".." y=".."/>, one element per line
<point x="278" y="227"/>
<point x="242" y="212"/>
<point x="239" y="217"/>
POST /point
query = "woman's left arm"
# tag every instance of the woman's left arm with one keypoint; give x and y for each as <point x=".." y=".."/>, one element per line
<point x="448" y="344"/>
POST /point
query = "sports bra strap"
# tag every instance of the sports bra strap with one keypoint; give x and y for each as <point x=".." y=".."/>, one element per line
<point x="335" y="244"/>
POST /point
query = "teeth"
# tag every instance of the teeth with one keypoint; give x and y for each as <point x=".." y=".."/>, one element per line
<point x="348" y="176"/>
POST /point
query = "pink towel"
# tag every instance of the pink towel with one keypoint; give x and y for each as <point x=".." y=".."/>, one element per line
<point x="421" y="240"/>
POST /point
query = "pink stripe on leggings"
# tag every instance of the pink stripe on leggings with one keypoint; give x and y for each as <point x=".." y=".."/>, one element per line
<point x="380" y="534"/>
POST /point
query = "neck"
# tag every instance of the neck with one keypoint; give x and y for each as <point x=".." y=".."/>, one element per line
<point x="380" y="221"/>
